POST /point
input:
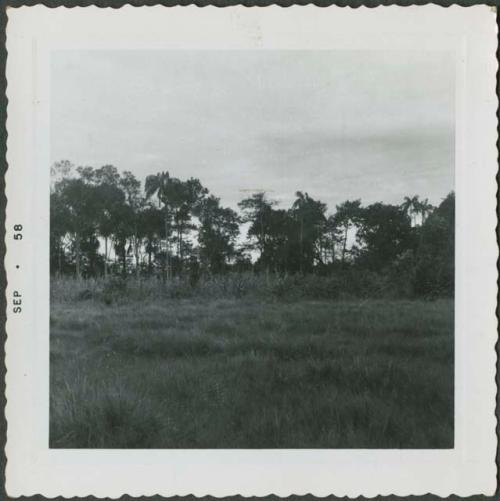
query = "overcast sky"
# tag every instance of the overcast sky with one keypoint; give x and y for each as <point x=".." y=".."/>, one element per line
<point x="337" y="124"/>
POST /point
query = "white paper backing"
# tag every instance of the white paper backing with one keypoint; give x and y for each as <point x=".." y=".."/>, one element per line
<point x="468" y="469"/>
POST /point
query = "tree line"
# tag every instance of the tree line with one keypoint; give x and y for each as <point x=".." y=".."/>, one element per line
<point x="104" y="222"/>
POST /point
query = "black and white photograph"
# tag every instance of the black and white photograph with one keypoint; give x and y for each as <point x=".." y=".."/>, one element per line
<point x="252" y="249"/>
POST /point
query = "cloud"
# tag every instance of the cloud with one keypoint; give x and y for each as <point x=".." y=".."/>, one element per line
<point x="338" y="124"/>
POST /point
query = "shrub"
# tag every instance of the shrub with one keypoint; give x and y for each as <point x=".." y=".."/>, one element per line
<point x="396" y="281"/>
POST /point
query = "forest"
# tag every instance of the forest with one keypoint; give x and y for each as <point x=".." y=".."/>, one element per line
<point x="198" y="326"/>
<point x="103" y="223"/>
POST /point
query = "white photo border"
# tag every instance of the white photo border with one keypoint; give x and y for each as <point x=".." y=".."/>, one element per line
<point x="33" y="468"/>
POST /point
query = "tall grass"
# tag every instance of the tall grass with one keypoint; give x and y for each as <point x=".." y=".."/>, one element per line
<point x="342" y="285"/>
<point x="210" y="372"/>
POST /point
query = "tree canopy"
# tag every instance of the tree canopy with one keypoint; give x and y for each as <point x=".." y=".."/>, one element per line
<point x="104" y="221"/>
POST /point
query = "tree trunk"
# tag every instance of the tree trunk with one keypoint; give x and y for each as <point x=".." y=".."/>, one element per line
<point x="105" y="258"/>
<point x="167" y="248"/>
<point x="136" y="252"/>
<point x="301" y="244"/>
<point x="77" y="257"/>
<point x="124" y="259"/>
<point x="59" y="258"/>
<point x="333" y="248"/>
<point x="344" y="244"/>
<point x="181" y="257"/>
<point x="263" y="243"/>
<point x="91" y="264"/>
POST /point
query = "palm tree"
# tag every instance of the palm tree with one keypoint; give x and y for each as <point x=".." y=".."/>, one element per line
<point x="425" y="208"/>
<point x="412" y="207"/>
<point x="159" y="184"/>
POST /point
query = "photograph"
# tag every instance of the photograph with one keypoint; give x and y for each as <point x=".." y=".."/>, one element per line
<point x="252" y="249"/>
<point x="251" y="252"/>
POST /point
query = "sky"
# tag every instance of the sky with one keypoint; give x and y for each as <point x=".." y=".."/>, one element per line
<point x="336" y="124"/>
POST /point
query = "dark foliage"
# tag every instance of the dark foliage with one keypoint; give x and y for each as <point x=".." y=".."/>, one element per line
<point x="103" y="223"/>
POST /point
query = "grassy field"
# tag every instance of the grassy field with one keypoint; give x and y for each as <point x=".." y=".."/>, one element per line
<point x="243" y="373"/>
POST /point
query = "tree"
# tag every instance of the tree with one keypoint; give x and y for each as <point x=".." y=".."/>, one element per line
<point x="333" y="235"/>
<point x="217" y="234"/>
<point x="60" y="170"/>
<point x="111" y="200"/>
<point x="311" y="223"/>
<point x="59" y="214"/>
<point x="160" y="185"/>
<point x="151" y="222"/>
<point x="81" y="201"/>
<point x="189" y="195"/>
<point x="384" y="233"/>
<point x="257" y="210"/>
<point x="411" y="205"/>
<point x="347" y="216"/>
<point x="179" y="200"/>
<point x="123" y="233"/>
<point x="281" y="253"/>
<point x="107" y="174"/>
<point x="59" y="228"/>
<point x="131" y="186"/>
<point x="425" y="209"/>
<point x="435" y="266"/>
